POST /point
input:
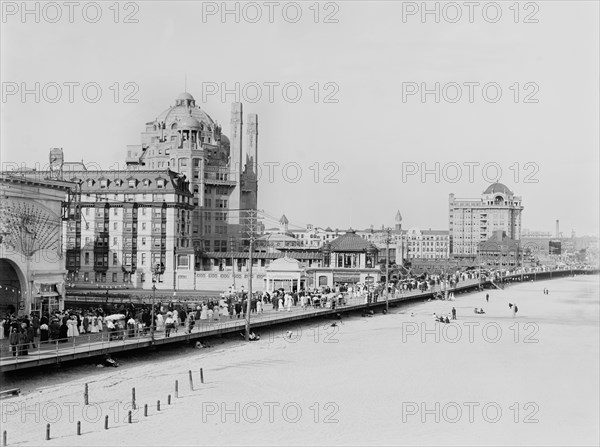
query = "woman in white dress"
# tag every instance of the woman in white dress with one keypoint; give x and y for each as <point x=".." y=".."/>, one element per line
<point x="72" y="330"/>
<point x="259" y="306"/>
<point x="160" y="322"/>
<point x="204" y="313"/>
<point x="2" y="328"/>
<point x="176" y="319"/>
<point x="280" y="307"/>
<point x="209" y="314"/>
<point x="94" y="329"/>
<point x="224" y="309"/>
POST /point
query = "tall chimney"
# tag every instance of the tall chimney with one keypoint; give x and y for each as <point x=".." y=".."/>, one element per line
<point x="557" y="232"/>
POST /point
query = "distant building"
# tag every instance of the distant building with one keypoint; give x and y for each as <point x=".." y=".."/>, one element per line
<point x="347" y="259"/>
<point x="472" y="221"/>
<point x="32" y="264"/>
<point x="500" y="250"/>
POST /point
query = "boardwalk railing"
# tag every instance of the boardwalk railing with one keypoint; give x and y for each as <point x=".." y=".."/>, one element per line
<point x="94" y="344"/>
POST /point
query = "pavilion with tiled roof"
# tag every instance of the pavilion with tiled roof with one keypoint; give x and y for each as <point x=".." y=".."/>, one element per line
<point x="348" y="259"/>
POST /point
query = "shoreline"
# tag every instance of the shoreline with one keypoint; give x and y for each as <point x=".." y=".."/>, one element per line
<point x="376" y="352"/>
<point x="229" y="327"/>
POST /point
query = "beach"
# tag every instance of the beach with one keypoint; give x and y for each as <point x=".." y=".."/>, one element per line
<point x="395" y="379"/>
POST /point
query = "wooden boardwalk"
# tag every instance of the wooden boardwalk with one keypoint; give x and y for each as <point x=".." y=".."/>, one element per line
<point x="95" y="345"/>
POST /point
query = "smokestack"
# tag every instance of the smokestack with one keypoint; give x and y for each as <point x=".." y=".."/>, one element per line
<point x="557" y="232"/>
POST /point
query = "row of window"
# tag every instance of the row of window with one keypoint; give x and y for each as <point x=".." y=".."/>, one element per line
<point x="101" y="259"/>
<point x="131" y="183"/>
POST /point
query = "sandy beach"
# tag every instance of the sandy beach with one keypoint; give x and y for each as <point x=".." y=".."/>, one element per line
<point x="395" y="379"/>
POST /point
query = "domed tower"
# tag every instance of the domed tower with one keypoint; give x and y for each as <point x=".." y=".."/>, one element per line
<point x="185" y="139"/>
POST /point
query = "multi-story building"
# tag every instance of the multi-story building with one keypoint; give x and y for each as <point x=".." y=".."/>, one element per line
<point x="222" y="176"/>
<point x="128" y="228"/>
<point x="472" y="221"/>
<point x="32" y="264"/>
<point x="425" y="244"/>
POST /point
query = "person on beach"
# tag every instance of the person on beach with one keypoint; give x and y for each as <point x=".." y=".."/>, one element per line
<point x="453" y="313"/>
<point x="515" y="309"/>
<point x="487" y="297"/>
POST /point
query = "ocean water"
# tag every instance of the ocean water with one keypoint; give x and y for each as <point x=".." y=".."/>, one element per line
<point x="396" y="379"/>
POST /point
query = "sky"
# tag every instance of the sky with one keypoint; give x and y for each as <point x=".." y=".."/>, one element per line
<point x="365" y="108"/>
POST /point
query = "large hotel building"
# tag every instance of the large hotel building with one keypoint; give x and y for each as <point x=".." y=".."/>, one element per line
<point x="181" y="199"/>
<point x="472" y="221"/>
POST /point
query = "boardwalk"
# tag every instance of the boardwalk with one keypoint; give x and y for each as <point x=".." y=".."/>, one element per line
<point x="94" y="345"/>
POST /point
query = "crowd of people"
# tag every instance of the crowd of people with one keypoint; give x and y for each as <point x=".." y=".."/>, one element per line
<point x="129" y="320"/>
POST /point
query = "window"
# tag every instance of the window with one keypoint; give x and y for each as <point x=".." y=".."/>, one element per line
<point x="131" y="183"/>
<point x="115" y="225"/>
<point x="143" y="260"/>
<point x="115" y="259"/>
<point x="114" y="277"/>
<point x="103" y="183"/>
<point x="127" y="259"/>
<point x="143" y="241"/>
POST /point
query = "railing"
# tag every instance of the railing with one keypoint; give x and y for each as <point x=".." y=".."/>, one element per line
<point x="97" y="343"/>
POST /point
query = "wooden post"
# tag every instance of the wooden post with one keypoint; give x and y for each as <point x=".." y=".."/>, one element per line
<point x="4" y="443"/>
<point x="169" y="400"/>
<point x="176" y="389"/>
<point x="133" y="398"/>
<point x="201" y="376"/>
<point x="145" y="410"/>
<point x="191" y="380"/>
<point x="86" y="395"/>
<point x="47" y="432"/>
<point x="158" y="405"/>
<point x="78" y="428"/>
<point x="106" y="423"/>
<point x="129" y="416"/>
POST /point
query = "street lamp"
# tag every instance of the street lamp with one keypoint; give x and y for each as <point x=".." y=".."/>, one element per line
<point x="155" y="273"/>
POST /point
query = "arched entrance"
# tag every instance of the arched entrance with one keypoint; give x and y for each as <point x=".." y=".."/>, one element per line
<point x="10" y="287"/>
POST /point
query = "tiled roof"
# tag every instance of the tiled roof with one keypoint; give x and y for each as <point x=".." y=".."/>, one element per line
<point x="350" y="242"/>
<point x="497" y="187"/>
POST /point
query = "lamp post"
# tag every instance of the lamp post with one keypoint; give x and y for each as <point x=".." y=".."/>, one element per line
<point x="387" y="265"/>
<point x="155" y="272"/>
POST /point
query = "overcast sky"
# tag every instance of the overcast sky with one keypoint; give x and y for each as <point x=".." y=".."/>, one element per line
<point x="362" y="125"/>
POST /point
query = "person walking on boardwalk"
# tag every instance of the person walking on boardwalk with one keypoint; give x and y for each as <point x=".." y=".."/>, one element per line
<point x="23" y="342"/>
<point x="453" y="313"/>
<point x="487" y="297"/>
<point x="169" y="324"/>
<point x="13" y="340"/>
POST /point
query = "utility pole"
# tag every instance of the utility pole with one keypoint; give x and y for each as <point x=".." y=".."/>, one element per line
<point x="522" y="261"/>
<point x="232" y="264"/>
<point x="387" y="268"/>
<point x="251" y="222"/>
